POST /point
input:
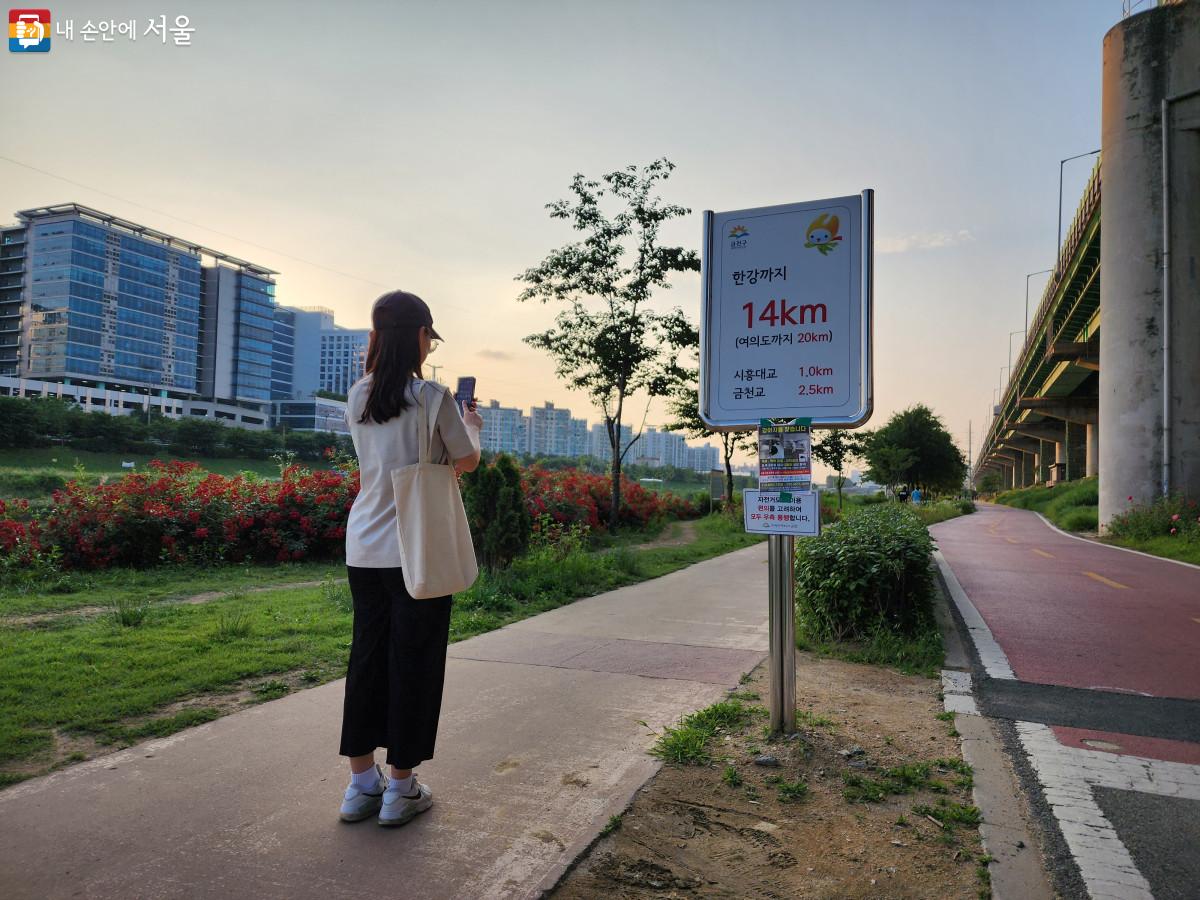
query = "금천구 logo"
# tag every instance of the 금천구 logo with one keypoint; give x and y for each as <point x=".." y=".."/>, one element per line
<point x="737" y="237"/>
<point x="29" y="30"/>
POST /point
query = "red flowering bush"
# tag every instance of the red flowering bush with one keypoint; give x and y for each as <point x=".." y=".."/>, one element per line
<point x="572" y="497"/>
<point x="1175" y="516"/>
<point x="176" y="513"/>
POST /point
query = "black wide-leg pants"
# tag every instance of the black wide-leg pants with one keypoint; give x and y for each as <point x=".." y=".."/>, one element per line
<point x="397" y="669"/>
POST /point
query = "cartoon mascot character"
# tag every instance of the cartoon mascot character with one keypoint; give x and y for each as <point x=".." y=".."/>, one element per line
<point x="823" y="234"/>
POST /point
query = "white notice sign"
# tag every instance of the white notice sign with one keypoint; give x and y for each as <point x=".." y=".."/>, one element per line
<point x="782" y="512"/>
<point x="786" y="330"/>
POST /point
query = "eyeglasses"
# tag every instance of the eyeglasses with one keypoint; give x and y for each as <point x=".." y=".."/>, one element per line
<point x="434" y="343"/>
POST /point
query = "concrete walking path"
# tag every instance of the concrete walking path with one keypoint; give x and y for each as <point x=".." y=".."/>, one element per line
<point x="539" y="744"/>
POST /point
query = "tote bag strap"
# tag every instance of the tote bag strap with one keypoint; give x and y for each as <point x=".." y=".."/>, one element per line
<point x="426" y="420"/>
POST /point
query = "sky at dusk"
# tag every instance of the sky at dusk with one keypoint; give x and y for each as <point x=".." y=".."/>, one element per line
<point x="357" y="147"/>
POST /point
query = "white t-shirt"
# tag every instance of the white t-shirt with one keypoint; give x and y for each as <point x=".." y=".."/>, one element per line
<point x="372" y="540"/>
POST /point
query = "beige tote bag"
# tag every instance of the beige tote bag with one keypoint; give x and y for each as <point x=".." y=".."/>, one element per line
<point x="436" y="552"/>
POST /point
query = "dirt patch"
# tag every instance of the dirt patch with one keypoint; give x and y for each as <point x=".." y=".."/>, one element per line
<point x="734" y="829"/>
<point x="678" y="534"/>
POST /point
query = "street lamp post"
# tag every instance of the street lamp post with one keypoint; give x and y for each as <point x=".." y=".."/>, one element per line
<point x="1027" y="277"/>
<point x="1058" y="246"/>
<point x="1010" y="337"/>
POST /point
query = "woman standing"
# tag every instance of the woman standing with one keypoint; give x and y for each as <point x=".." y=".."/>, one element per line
<point x="398" y="655"/>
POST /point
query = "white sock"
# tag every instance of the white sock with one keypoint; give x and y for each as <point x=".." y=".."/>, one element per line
<point x="404" y="785"/>
<point x="365" y="781"/>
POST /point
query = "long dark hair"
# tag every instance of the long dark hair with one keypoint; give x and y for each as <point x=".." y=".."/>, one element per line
<point x="393" y="356"/>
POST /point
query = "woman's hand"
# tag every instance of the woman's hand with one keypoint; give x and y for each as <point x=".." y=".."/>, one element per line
<point x="470" y="416"/>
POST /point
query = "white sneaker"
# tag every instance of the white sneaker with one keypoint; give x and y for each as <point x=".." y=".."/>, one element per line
<point x="359" y="804"/>
<point x="398" y="809"/>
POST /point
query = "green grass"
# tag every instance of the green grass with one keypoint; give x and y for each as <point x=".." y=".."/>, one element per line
<point x="732" y="777"/>
<point x="1168" y="547"/>
<point x="904" y="779"/>
<point x="921" y="654"/>
<point x="19" y="596"/>
<point x="89" y="676"/>
<point x="687" y="743"/>
<point x="792" y="790"/>
<point x="1071" y="505"/>
<point x="94" y="676"/>
<point x="614" y="822"/>
<point x="938" y="511"/>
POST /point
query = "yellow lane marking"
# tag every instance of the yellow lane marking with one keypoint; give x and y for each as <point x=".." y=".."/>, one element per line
<point x="1043" y="553"/>
<point x="1197" y="621"/>
<point x="1108" y="581"/>
<point x="1012" y="540"/>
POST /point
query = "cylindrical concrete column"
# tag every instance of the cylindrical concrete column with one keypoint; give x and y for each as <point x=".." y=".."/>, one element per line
<point x="1010" y="477"/>
<point x="1028" y="468"/>
<point x="1149" y="57"/>
<point x="1045" y="459"/>
<point x="1092" y="464"/>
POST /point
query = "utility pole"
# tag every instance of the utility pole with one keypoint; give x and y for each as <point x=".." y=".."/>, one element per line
<point x="435" y="371"/>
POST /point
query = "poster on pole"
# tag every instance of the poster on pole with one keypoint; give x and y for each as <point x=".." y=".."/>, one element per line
<point x="782" y="512"/>
<point x="785" y="454"/>
<point x="786" y="326"/>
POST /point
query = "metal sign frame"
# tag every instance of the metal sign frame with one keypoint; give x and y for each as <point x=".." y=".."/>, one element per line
<point x="708" y="353"/>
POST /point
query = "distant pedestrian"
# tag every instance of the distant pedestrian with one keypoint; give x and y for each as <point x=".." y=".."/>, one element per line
<point x="916" y="496"/>
<point x="902" y="495"/>
<point x="398" y="653"/>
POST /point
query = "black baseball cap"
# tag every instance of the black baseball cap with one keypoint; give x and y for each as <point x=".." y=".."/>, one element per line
<point x="400" y="309"/>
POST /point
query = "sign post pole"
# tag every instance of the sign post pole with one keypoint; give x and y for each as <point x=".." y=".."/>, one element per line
<point x="781" y="551"/>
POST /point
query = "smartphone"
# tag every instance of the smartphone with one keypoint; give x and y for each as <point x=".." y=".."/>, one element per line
<point x="465" y="393"/>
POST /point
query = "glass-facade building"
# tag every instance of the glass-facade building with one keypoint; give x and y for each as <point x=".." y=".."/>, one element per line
<point x="107" y="304"/>
<point x="283" y="354"/>
<point x="254" y="337"/>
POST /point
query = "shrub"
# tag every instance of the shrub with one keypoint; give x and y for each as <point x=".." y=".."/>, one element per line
<point x="1175" y="517"/>
<point x="870" y="570"/>
<point x="497" y="512"/>
<point x="176" y="513"/>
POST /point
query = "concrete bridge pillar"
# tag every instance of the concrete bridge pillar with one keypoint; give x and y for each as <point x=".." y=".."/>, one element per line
<point x="1076" y="450"/>
<point x="1028" y="469"/>
<point x="1147" y="348"/>
<point x="1045" y="459"/>
<point x="1092" y="454"/>
<point x="1010" y="477"/>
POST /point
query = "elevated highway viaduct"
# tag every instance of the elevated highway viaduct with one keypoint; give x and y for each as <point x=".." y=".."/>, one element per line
<point x="1123" y="401"/>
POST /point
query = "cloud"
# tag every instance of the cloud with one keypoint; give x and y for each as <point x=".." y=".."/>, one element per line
<point x="497" y="354"/>
<point x="923" y="240"/>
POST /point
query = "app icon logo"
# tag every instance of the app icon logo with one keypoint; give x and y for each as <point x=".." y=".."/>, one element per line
<point x="823" y="234"/>
<point x="29" y="30"/>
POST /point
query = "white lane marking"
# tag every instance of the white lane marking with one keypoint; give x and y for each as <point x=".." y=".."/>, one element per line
<point x="1103" y="859"/>
<point x="1075" y="537"/>
<point x="995" y="662"/>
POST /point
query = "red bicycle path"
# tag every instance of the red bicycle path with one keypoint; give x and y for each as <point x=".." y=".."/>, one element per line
<point x="1077" y="613"/>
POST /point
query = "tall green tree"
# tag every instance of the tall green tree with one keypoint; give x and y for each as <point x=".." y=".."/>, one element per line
<point x="608" y="341"/>
<point x="837" y="449"/>
<point x="915" y="448"/>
